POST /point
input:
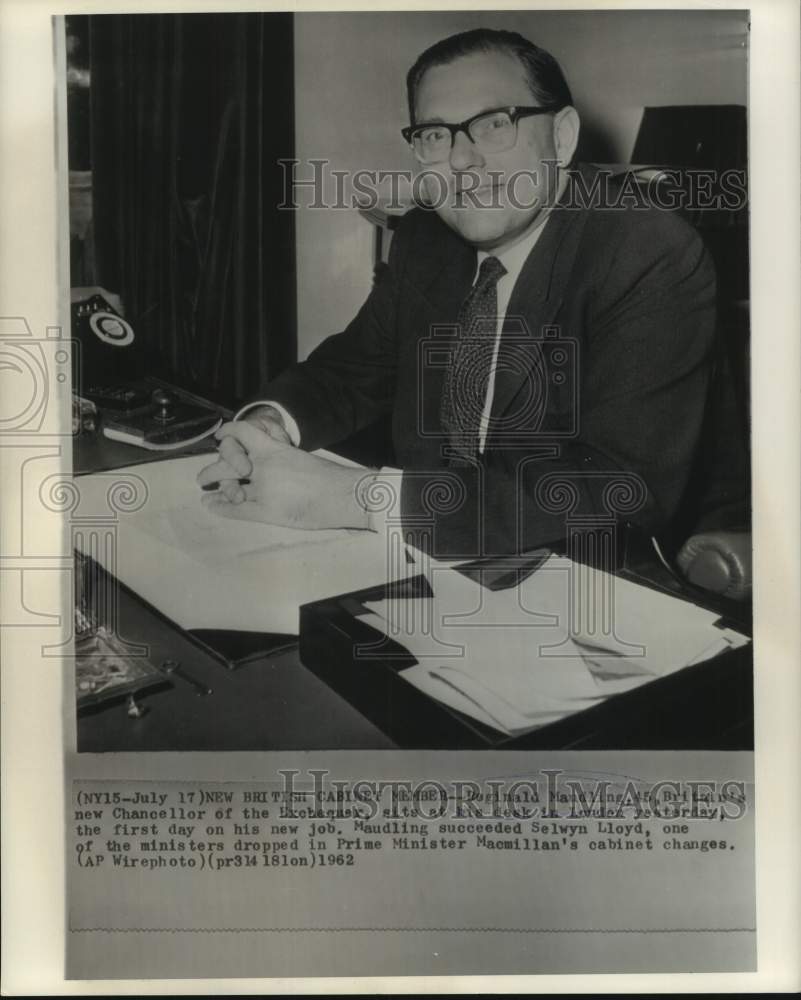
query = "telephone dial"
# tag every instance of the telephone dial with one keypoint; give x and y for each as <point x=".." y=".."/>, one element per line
<point x="110" y="370"/>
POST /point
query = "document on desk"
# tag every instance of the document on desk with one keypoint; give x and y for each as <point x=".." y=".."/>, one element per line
<point x="563" y="640"/>
<point x="205" y="571"/>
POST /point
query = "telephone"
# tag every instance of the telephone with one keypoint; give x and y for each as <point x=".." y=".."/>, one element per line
<point x="109" y="359"/>
<point x="110" y="369"/>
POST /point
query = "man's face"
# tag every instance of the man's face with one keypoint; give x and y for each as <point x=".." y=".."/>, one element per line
<point x="507" y="190"/>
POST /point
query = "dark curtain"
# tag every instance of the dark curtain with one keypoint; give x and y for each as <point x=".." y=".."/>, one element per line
<point x="190" y="114"/>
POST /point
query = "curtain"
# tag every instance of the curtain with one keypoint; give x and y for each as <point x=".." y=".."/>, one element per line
<point x="189" y="117"/>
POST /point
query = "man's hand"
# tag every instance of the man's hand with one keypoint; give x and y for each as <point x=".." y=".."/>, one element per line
<point x="287" y="486"/>
<point x="235" y="463"/>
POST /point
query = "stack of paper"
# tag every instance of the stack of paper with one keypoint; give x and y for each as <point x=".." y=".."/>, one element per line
<point x="205" y="571"/>
<point x="563" y="640"/>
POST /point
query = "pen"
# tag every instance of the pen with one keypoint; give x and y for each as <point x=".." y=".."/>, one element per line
<point x="212" y="487"/>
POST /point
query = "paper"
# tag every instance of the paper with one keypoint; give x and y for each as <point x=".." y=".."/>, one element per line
<point x="205" y="571"/>
<point x="571" y="637"/>
<point x="618" y="619"/>
<point x="467" y="696"/>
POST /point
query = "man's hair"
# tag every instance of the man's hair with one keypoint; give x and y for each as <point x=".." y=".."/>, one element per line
<point x="543" y="72"/>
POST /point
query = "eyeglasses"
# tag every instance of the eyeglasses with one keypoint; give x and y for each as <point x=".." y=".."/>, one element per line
<point x="490" y="131"/>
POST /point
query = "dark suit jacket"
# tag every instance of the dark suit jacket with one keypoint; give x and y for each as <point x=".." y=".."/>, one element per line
<point x="600" y="387"/>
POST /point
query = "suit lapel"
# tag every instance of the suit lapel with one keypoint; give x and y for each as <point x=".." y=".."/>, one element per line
<point x="444" y="272"/>
<point x="447" y="275"/>
<point x="535" y="301"/>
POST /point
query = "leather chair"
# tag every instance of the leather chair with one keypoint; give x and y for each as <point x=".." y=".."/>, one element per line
<point x="717" y="554"/>
<point x="719" y="561"/>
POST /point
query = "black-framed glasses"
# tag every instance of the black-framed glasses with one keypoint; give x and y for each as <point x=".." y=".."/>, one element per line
<point x="490" y="131"/>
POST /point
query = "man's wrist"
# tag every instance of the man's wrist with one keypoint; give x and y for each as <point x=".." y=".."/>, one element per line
<point x="284" y="418"/>
<point x="260" y="414"/>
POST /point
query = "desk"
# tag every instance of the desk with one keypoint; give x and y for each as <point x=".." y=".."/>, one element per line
<point x="270" y="702"/>
<point x="273" y="701"/>
<point x="278" y="700"/>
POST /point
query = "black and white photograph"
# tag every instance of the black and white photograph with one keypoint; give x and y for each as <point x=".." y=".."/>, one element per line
<point x="399" y="428"/>
<point x="413" y="382"/>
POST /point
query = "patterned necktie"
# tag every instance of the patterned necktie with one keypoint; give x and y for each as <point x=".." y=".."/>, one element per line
<point x="465" y="388"/>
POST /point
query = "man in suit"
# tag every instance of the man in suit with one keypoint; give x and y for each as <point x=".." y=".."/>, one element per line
<point x="541" y="355"/>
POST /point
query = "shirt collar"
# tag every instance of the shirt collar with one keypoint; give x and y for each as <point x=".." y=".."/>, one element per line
<point x="514" y="257"/>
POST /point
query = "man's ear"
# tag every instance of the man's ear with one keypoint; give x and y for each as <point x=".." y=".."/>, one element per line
<point x="566" y="126"/>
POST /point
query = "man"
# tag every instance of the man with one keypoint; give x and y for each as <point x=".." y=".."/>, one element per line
<point x="524" y="344"/>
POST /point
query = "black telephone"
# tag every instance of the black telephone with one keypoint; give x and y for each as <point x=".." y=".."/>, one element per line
<point x="110" y="361"/>
<point x="110" y="369"/>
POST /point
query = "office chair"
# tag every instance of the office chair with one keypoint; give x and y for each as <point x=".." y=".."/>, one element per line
<point x="717" y="555"/>
<point x="719" y="561"/>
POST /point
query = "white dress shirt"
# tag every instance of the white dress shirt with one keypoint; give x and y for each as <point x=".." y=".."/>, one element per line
<point x="513" y="258"/>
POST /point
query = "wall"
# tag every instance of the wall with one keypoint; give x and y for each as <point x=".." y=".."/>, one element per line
<point x="351" y="102"/>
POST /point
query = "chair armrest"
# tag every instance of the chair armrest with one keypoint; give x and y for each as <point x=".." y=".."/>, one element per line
<point x="719" y="561"/>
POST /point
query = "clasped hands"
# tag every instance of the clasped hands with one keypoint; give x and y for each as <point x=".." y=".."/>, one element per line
<point x="286" y="485"/>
